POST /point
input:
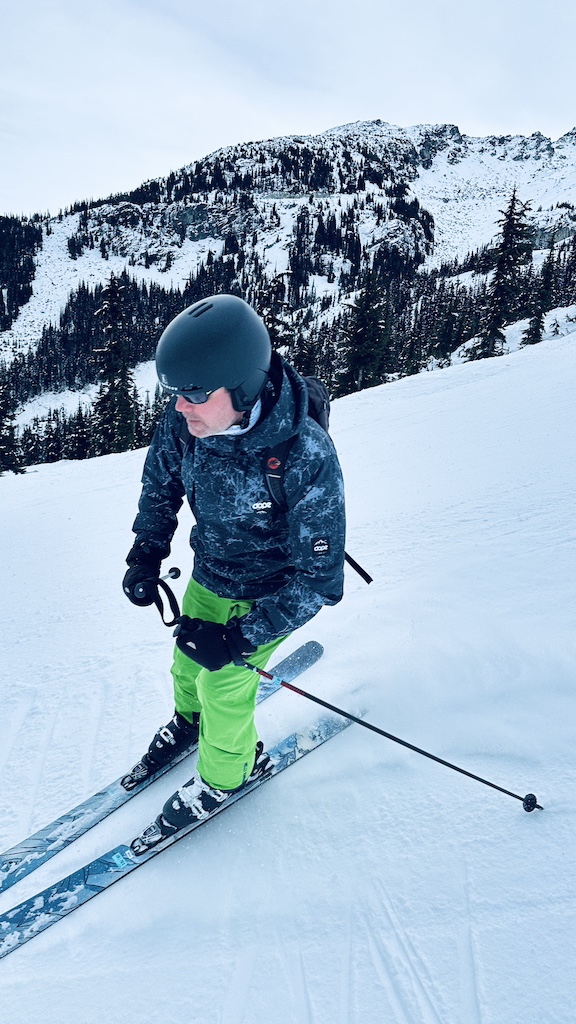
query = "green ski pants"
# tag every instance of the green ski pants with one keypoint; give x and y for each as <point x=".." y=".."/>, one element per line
<point x="226" y="699"/>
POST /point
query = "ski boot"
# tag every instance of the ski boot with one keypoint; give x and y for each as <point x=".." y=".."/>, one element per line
<point x="170" y="741"/>
<point x="194" y="802"/>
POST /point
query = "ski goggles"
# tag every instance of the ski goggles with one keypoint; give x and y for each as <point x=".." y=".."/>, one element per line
<point x="196" y="396"/>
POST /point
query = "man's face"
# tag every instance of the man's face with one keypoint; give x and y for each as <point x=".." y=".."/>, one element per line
<point x="212" y="417"/>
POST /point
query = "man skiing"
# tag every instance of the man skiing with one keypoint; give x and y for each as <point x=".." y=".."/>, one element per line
<point x="260" y="571"/>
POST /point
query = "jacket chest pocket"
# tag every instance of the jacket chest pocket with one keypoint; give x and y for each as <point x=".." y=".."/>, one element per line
<point x="234" y="495"/>
<point x="220" y="487"/>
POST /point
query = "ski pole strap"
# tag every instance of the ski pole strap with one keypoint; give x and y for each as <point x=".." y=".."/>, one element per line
<point x="171" y="598"/>
<point x="358" y="568"/>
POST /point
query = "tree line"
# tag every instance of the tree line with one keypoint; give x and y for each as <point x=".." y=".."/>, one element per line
<point x="397" y="320"/>
<point x="20" y="239"/>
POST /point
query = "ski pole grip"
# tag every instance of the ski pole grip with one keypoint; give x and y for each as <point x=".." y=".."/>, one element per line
<point x="141" y="589"/>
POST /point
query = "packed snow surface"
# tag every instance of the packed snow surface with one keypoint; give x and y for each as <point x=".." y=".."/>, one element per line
<point x="366" y="884"/>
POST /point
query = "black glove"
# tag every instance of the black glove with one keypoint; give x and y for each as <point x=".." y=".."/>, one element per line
<point x="212" y="644"/>
<point x="139" y="582"/>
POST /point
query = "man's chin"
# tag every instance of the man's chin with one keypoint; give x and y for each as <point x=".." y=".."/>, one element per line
<point x="198" y="430"/>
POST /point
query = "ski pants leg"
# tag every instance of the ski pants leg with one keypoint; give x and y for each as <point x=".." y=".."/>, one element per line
<point x="226" y="699"/>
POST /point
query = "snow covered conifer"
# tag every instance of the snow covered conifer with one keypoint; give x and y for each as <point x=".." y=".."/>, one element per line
<point x="115" y="411"/>
<point x="542" y="301"/>
<point x="513" y="251"/>
<point x="11" y="459"/>
<point x="366" y="351"/>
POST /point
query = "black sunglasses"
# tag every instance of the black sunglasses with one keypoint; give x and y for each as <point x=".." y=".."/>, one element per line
<point x="196" y="396"/>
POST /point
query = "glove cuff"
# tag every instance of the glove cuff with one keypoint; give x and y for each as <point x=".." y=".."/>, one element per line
<point x="144" y="552"/>
<point x="240" y="648"/>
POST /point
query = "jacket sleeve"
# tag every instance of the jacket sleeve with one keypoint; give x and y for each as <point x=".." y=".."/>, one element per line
<point x="316" y="524"/>
<point x="162" y="487"/>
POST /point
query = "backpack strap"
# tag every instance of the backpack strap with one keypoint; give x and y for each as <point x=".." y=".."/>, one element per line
<point x="274" y="463"/>
<point x="275" y="457"/>
<point x="358" y="568"/>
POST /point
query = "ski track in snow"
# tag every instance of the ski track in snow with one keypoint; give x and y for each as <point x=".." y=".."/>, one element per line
<point x="468" y="958"/>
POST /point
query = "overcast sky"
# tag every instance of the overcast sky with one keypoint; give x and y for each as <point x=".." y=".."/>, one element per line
<point x="96" y="98"/>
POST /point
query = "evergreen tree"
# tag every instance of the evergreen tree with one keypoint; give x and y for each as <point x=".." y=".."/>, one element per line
<point x="300" y="257"/>
<point x="143" y="424"/>
<point x="565" y="274"/>
<point x="303" y="353"/>
<point x="19" y="241"/>
<point x="542" y="301"/>
<point x="328" y="354"/>
<point x="53" y="437"/>
<point x="77" y="440"/>
<point x="32" y="443"/>
<point x="11" y="457"/>
<point x="513" y="251"/>
<point x="367" y="348"/>
<point x="115" y="410"/>
<point x="277" y="314"/>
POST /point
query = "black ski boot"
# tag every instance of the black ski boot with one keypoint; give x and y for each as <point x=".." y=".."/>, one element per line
<point x="193" y="802"/>
<point x="170" y="741"/>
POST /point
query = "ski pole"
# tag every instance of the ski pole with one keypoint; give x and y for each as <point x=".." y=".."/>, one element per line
<point x="529" y="802"/>
<point x="172" y="574"/>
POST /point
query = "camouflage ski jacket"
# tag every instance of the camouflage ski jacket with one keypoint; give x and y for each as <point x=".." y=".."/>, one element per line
<point x="288" y="561"/>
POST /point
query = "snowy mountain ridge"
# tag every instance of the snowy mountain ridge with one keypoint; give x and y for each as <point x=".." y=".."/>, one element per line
<point x="422" y="195"/>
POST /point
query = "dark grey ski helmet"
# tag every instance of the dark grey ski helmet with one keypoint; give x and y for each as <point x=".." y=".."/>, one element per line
<point x="219" y="342"/>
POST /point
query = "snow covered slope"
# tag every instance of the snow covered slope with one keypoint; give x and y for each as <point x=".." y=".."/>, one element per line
<point x="367" y="884"/>
<point x="466" y="181"/>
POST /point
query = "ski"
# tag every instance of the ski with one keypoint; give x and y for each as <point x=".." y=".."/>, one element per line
<point x="36" y="914"/>
<point x="29" y="854"/>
